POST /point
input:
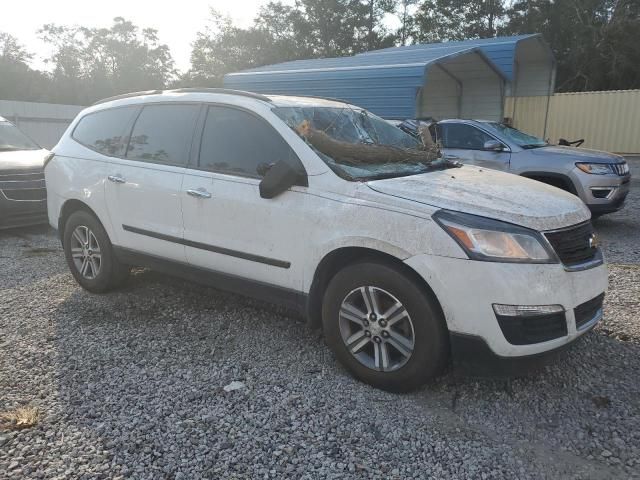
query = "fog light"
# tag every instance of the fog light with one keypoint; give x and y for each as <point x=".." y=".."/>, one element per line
<point x="603" y="192"/>
<point x="526" y="310"/>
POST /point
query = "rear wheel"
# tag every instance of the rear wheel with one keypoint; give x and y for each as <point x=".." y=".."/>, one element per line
<point x="89" y="254"/>
<point x="383" y="327"/>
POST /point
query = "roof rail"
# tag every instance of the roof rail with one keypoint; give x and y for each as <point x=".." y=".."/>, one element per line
<point x="319" y="97"/>
<point x="127" y="95"/>
<point x="227" y="91"/>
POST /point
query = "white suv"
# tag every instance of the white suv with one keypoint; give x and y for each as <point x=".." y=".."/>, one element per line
<point x="403" y="264"/>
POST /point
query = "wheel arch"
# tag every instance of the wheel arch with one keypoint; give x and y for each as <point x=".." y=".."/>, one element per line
<point x="339" y="258"/>
<point x="68" y="208"/>
<point x="558" y="180"/>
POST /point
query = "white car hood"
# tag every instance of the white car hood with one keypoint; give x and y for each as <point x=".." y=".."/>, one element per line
<point x="490" y="193"/>
<point x="22" y="159"/>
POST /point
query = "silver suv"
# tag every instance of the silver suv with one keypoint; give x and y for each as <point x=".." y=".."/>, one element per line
<point x="600" y="179"/>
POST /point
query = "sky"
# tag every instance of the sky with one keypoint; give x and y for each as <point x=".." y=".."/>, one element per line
<point x="176" y="21"/>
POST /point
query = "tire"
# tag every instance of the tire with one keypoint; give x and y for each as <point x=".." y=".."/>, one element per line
<point x="95" y="266"/>
<point x="421" y="333"/>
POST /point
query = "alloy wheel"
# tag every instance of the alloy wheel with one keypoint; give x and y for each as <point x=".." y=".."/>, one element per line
<point x="376" y="328"/>
<point x="85" y="251"/>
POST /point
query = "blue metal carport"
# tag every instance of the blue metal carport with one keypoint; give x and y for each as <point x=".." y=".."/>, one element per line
<point x="452" y="79"/>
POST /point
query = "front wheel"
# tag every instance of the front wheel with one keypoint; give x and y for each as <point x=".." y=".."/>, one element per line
<point x="89" y="254"/>
<point x="383" y="327"/>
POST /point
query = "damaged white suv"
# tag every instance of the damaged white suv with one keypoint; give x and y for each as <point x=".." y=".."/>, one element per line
<point x="404" y="264"/>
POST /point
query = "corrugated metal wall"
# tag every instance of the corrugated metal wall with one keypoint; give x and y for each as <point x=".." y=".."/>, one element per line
<point x="607" y="121"/>
<point x="464" y="86"/>
<point x="44" y="122"/>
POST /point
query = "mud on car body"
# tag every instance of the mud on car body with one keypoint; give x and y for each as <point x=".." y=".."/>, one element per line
<point x="401" y="263"/>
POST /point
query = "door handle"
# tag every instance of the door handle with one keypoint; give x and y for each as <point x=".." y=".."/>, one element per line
<point x="116" y="179"/>
<point x="199" y="193"/>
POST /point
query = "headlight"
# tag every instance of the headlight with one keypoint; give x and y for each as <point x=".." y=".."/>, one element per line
<point x="494" y="241"/>
<point x="596" y="168"/>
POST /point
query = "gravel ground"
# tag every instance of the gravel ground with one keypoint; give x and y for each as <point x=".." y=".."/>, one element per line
<point x="130" y="385"/>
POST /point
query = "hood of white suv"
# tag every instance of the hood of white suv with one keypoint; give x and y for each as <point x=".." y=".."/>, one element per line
<point x="22" y="159"/>
<point x="490" y="193"/>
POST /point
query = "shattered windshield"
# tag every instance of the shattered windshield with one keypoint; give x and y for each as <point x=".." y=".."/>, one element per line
<point x="358" y="145"/>
<point x="13" y="139"/>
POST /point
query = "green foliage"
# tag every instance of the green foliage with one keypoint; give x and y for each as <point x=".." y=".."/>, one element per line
<point x="93" y="63"/>
<point x="308" y="29"/>
<point x="17" y="80"/>
<point x="595" y="43"/>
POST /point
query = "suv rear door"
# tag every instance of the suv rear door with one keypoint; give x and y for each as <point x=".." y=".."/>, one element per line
<point x="143" y="191"/>
<point x="228" y="227"/>
<point x="465" y="143"/>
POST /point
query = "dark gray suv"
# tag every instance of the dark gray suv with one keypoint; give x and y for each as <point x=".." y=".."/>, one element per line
<point x="23" y="197"/>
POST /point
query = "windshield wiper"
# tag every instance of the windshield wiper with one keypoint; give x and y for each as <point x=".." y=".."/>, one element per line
<point x="443" y="164"/>
<point x="530" y="146"/>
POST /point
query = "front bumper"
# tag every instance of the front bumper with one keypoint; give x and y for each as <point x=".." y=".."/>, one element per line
<point x="602" y="193"/>
<point x="472" y="355"/>
<point x="467" y="290"/>
<point x="23" y="199"/>
<point x="14" y="214"/>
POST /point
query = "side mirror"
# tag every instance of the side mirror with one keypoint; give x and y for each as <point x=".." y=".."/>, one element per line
<point x="279" y="178"/>
<point x="493" y="146"/>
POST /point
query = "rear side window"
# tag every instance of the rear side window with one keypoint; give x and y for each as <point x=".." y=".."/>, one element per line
<point x="237" y="142"/>
<point x="463" y="136"/>
<point x="106" y="131"/>
<point x="163" y="134"/>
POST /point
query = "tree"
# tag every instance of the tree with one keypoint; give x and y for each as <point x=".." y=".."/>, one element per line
<point x="438" y="20"/>
<point x="594" y="41"/>
<point x="93" y="63"/>
<point x="224" y="48"/>
<point x="404" y="13"/>
<point x="18" y="81"/>
<point x="374" y="16"/>
<point x="308" y="29"/>
<point x="12" y="51"/>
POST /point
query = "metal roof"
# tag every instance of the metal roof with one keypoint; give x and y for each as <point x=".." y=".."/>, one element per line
<point x="500" y="50"/>
<point x="383" y="81"/>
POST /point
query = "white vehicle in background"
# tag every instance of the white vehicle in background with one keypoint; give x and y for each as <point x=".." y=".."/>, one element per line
<point x="403" y="265"/>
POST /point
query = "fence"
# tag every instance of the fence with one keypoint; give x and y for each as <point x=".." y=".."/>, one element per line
<point x="606" y="120"/>
<point x="44" y="122"/>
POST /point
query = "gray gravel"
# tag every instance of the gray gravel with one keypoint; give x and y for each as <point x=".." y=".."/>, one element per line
<point x="130" y="385"/>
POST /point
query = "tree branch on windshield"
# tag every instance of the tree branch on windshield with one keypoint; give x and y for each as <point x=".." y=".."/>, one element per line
<point x="364" y="153"/>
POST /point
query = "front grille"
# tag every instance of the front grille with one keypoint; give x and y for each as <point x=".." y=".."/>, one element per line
<point x="526" y="330"/>
<point x="587" y="311"/>
<point x="621" y="169"/>
<point x="33" y="175"/>
<point x="25" y="194"/>
<point x="23" y="185"/>
<point x="574" y="245"/>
